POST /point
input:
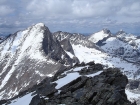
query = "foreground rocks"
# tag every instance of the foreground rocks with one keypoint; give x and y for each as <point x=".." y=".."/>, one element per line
<point x="107" y="88"/>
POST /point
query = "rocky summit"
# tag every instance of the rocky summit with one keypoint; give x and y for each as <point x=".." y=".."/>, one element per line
<point x="83" y="84"/>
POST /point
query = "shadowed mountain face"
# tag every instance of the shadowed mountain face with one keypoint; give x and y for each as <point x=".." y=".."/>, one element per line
<point x="27" y="57"/>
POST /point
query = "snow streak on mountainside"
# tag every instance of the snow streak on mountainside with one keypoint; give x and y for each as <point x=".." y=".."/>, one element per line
<point x="27" y="57"/>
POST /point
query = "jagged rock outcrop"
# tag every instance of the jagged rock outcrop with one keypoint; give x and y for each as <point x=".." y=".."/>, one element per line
<point x="91" y="86"/>
<point x="74" y="38"/>
<point x="108" y="88"/>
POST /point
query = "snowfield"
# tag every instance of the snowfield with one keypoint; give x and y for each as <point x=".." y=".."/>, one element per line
<point x="85" y="54"/>
<point x="132" y="96"/>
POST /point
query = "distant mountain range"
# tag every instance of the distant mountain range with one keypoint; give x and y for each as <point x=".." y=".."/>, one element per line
<point x="33" y="59"/>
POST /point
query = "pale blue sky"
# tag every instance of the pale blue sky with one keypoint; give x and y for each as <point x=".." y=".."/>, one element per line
<point x="84" y="16"/>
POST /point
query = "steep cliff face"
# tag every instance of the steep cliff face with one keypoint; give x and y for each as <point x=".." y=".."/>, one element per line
<point x="27" y="57"/>
<point x="82" y="84"/>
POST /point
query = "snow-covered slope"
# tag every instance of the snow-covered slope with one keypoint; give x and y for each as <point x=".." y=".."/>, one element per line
<point x="99" y="35"/>
<point x="85" y="54"/>
<point x="25" y="100"/>
<point x="122" y="45"/>
<point x="132" y="96"/>
<point x="27" y="57"/>
<point x="117" y="47"/>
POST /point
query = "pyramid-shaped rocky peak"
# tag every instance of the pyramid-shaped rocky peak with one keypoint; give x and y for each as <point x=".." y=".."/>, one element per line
<point x="106" y="31"/>
<point x="120" y="32"/>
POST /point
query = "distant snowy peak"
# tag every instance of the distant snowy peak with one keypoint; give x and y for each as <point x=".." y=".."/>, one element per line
<point x="100" y="35"/>
<point x="126" y="37"/>
<point x="106" y="31"/>
<point x="120" y="32"/>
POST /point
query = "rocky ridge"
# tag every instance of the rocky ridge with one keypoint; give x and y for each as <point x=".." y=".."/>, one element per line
<point x="93" y="86"/>
<point x="74" y="38"/>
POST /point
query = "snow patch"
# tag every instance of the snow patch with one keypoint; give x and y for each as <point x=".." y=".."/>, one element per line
<point x="72" y="76"/>
<point x="94" y="74"/>
<point x="70" y="54"/>
<point x="67" y="79"/>
<point x="25" y="100"/>
<point x="86" y="55"/>
<point x="132" y="96"/>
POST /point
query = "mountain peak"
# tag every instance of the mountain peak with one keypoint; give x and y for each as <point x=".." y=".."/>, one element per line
<point x="32" y="53"/>
<point x="120" y="32"/>
<point x="106" y="31"/>
<point x="40" y="25"/>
